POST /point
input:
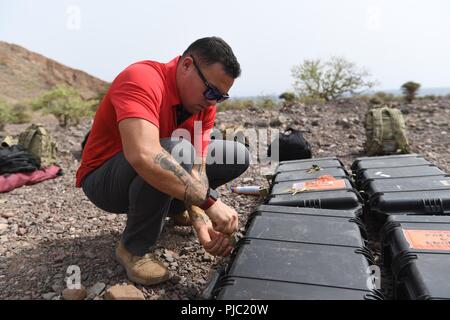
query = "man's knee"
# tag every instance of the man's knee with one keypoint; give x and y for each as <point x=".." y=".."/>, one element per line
<point x="181" y="150"/>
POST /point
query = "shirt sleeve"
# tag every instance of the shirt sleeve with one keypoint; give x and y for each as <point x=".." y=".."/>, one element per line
<point x="137" y="93"/>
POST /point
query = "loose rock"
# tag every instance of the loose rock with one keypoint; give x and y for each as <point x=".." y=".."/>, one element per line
<point x="95" y="290"/>
<point x="3" y="227"/>
<point x="49" y="295"/>
<point x="127" y="292"/>
<point x="74" y="294"/>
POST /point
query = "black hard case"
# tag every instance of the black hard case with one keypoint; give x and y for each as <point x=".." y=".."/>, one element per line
<point x="337" y="172"/>
<point x="236" y="288"/>
<point x="318" y="265"/>
<point x="388" y="162"/>
<point x="417" y="273"/>
<point x="392" y="173"/>
<point x="347" y="198"/>
<point x="309" y="228"/>
<point x="297" y="165"/>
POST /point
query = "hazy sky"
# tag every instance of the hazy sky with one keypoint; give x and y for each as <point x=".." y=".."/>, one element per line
<point x="396" y="40"/>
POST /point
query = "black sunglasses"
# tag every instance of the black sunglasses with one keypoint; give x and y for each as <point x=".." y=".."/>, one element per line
<point x="211" y="92"/>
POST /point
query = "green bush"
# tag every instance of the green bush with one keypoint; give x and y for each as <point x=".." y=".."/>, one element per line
<point x="331" y="79"/>
<point x="235" y="104"/>
<point x="247" y="103"/>
<point x="65" y="103"/>
<point x="288" y="98"/>
<point x="309" y="101"/>
<point x="6" y="114"/>
<point x="409" y="90"/>
<point x="384" y="96"/>
<point x="431" y="97"/>
<point x="266" y="103"/>
<point x="22" y="113"/>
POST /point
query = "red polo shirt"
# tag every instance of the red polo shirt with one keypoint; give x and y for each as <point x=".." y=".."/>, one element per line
<point x="145" y="90"/>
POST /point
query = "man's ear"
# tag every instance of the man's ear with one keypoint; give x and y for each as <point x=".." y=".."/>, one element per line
<point x="186" y="63"/>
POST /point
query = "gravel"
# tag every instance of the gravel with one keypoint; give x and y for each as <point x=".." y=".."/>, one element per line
<point x="47" y="227"/>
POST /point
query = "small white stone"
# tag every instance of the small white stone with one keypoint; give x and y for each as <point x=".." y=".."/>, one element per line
<point x="49" y="295"/>
<point x="7" y="215"/>
<point x="3" y="227"/>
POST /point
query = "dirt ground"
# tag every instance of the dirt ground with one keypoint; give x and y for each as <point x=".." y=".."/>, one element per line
<point x="52" y="225"/>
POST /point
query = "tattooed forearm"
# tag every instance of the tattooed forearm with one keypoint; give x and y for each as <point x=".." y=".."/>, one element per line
<point x="194" y="191"/>
<point x="166" y="162"/>
<point x="197" y="215"/>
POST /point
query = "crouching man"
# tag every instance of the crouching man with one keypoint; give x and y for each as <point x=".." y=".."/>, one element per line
<point x="132" y="164"/>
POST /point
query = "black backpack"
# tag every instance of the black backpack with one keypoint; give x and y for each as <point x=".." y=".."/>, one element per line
<point x="17" y="159"/>
<point x="292" y="146"/>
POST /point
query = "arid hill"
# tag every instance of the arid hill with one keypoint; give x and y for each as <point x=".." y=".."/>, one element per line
<point x="25" y="75"/>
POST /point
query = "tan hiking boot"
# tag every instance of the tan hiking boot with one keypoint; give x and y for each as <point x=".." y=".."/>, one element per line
<point x="181" y="219"/>
<point x="145" y="270"/>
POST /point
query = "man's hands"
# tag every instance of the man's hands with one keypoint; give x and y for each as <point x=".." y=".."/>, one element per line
<point x="214" y="242"/>
<point x="224" y="218"/>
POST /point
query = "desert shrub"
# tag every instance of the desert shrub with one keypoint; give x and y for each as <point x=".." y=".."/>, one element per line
<point x="309" y="101"/>
<point x="329" y="80"/>
<point x="266" y="103"/>
<point x="248" y="103"/>
<point x="22" y="113"/>
<point x="65" y="103"/>
<point x="6" y="114"/>
<point x="235" y="104"/>
<point x="409" y="90"/>
<point x="384" y="97"/>
<point x="431" y="97"/>
<point x="288" y="97"/>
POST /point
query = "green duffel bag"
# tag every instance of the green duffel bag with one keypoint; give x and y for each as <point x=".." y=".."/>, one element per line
<point x="385" y="132"/>
<point x="38" y="142"/>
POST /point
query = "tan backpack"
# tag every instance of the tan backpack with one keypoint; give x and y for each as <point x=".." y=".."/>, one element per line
<point x="38" y="142"/>
<point x="385" y="132"/>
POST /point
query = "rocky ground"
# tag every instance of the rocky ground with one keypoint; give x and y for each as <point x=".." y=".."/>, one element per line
<point x="49" y="226"/>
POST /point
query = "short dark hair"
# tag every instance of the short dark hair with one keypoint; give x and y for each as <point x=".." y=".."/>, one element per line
<point x="211" y="50"/>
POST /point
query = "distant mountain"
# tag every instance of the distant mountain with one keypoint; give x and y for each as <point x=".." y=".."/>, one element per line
<point x="441" y="91"/>
<point x="26" y="75"/>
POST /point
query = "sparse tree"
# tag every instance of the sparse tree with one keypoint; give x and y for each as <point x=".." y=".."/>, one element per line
<point x="331" y="79"/>
<point x="410" y="89"/>
<point x="288" y="98"/>
<point x="65" y="103"/>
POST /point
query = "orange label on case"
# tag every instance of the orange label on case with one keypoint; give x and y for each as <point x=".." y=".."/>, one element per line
<point x="325" y="182"/>
<point x="428" y="239"/>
